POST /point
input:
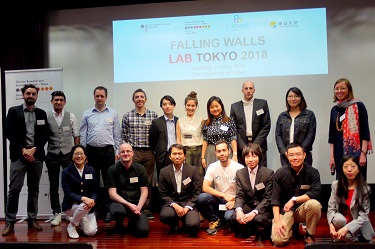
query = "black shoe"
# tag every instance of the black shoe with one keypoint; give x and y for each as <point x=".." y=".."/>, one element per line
<point x="8" y="229"/>
<point x="149" y="214"/>
<point x="108" y="217"/>
<point x="296" y="233"/>
<point x="34" y="225"/>
<point x="173" y="230"/>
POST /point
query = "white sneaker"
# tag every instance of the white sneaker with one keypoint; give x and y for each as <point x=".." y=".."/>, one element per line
<point x="68" y="218"/>
<point x="72" y="232"/>
<point x="56" y="219"/>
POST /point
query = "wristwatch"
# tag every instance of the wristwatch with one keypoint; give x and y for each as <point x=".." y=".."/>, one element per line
<point x="294" y="199"/>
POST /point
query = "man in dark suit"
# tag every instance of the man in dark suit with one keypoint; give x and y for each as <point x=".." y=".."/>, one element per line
<point x="26" y="128"/>
<point x="253" y="211"/>
<point x="163" y="133"/>
<point x="179" y="188"/>
<point x="253" y="121"/>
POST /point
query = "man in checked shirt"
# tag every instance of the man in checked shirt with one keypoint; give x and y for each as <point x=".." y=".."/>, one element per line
<point x="135" y="130"/>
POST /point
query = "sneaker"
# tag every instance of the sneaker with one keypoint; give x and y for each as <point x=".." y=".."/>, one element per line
<point x="56" y="219"/>
<point x="68" y="218"/>
<point x="8" y="229"/>
<point x="213" y="227"/>
<point x="72" y="232"/>
<point x="149" y="214"/>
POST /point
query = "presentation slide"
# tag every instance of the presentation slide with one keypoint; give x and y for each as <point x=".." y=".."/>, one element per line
<point x="252" y="44"/>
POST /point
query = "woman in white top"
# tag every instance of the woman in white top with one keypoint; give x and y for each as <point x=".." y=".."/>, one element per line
<point x="189" y="133"/>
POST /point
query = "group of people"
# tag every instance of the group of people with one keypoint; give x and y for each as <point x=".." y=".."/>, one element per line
<point x="214" y="167"/>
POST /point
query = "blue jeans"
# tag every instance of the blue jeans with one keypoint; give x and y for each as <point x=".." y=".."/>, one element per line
<point x="208" y="206"/>
<point x="18" y="170"/>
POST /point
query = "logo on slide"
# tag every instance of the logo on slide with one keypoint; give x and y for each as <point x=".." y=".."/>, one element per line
<point x="237" y="19"/>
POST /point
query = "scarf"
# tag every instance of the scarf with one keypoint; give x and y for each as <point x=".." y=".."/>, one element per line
<point x="351" y="138"/>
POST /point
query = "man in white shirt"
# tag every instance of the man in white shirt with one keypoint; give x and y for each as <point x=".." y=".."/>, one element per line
<point x="219" y="188"/>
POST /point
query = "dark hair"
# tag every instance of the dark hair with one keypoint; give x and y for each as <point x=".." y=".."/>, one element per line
<point x="74" y="148"/>
<point x="350" y="89"/>
<point x="168" y="98"/>
<point x="294" y="145"/>
<point x="101" y="88"/>
<point x="23" y="89"/>
<point x="363" y="190"/>
<point x="208" y="121"/>
<point x="192" y="96"/>
<point x="58" y="93"/>
<point x="177" y="146"/>
<point x="298" y="92"/>
<point x="223" y="142"/>
<point x="139" y="90"/>
<point x="253" y="149"/>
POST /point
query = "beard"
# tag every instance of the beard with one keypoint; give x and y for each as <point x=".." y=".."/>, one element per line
<point x="29" y="101"/>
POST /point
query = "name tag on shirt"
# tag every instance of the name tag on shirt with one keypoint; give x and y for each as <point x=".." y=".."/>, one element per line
<point x="186" y="181"/>
<point x="147" y="122"/>
<point x="134" y="179"/>
<point x="342" y="117"/>
<point x="222" y="207"/>
<point x="66" y="128"/>
<point x="260" y="112"/>
<point x="188" y="136"/>
<point x="260" y="186"/>
<point x="305" y="187"/>
<point x="108" y="120"/>
<point x="88" y="176"/>
<point x="40" y="122"/>
<point x="223" y="127"/>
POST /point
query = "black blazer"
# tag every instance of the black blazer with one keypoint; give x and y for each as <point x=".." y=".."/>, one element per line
<point x="75" y="186"/>
<point x="259" y="199"/>
<point x="15" y="130"/>
<point x="190" y="190"/>
<point x="158" y="138"/>
<point x="261" y="123"/>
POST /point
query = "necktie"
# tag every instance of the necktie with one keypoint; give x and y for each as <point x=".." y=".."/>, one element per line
<point x="252" y="179"/>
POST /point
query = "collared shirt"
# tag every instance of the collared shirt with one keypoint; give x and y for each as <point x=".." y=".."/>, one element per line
<point x="252" y="176"/>
<point x="218" y="130"/>
<point x="171" y="129"/>
<point x="73" y="121"/>
<point x="287" y="183"/>
<point x="135" y="128"/>
<point x="100" y="128"/>
<point x="80" y="171"/>
<point x="30" y="120"/>
<point x="128" y="182"/>
<point x="248" y="109"/>
<point x="178" y="177"/>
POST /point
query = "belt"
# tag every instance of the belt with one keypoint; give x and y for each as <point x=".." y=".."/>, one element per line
<point x="249" y="138"/>
<point x="141" y="148"/>
<point x="106" y="147"/>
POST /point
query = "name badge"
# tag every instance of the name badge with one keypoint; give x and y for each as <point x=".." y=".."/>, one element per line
<point x="186" y="181"/>
<point x="260" y="112"/>
<point x="108" y="120"/>
<point x="147" y="122"/>
<point x="305" y="187"/>
<point x="223" y="127"/>
<point x="40" y="122"/>
<point x="188" y="136"/>
<point x="134" y="179"/>
<point x="88" y="176"/>
<point x="260" y="186"/>
<point x="342" y="117"/>
<point x="66" y="128"/>
<point x="222" y="207"/>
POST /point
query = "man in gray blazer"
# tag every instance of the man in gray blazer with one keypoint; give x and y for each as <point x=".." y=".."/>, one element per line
<point x="253" y="121"/>
<point x="179" y="188"/>
<point x="253" y="211"/>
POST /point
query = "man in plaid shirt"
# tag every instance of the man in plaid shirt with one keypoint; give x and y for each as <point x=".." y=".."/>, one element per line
<point x="135" y="131"/>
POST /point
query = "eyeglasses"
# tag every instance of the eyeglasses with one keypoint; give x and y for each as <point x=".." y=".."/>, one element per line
<point x="340" y="89"/>
<point x="294" y="97"/>
<point x="79" y="154"/>
<point x="126" y="151"/>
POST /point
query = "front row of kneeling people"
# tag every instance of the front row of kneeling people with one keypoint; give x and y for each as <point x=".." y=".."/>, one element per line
<point x="251" y="200"/>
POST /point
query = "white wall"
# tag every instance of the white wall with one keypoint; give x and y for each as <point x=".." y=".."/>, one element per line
<point x="80" y="41"/>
